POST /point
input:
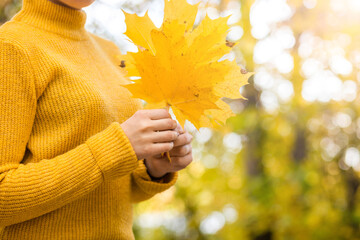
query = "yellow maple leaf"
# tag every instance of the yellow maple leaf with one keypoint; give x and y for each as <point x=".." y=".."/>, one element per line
<point x="179" y="65"/>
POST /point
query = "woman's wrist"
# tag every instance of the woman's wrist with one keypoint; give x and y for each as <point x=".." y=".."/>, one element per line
<point x="154" y="177"/>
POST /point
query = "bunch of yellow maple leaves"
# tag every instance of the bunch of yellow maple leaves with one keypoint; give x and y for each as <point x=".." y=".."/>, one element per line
<point x="179" y="65"/>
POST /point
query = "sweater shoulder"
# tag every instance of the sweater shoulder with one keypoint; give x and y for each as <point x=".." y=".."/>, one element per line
<point x="15" y="33"/>
<point x="12" y="40"/>
<point x="19" y="41"/>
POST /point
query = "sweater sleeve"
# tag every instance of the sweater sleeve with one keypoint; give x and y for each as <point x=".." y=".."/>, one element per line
<point x="142" y="188"/>
<point x="31" y="190"/>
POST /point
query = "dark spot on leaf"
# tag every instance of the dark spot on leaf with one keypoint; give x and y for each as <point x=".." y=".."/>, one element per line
<point x="182" y="54"/>
<point x="196" y="95"/>
<point x="122" y="64"/>
<point x="229" y="44"/>
<point x="244" y="71"/>
<point x="185" y="22"/>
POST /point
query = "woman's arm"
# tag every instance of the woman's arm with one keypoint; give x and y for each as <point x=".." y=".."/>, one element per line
<point x="30" y="190"/>
<point x="143" y="187"/>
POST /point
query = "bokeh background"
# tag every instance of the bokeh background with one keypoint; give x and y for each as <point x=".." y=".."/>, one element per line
<point x="288" y="165"/>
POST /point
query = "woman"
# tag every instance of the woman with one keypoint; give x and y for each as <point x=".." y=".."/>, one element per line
<point x="75" y="150"/>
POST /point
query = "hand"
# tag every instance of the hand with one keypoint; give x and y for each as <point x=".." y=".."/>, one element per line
<point x="181" y="157"/>
<point x="151" y="132"/>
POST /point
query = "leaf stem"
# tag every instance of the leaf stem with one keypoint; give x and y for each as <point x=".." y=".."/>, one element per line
<point x="167" y="153"/>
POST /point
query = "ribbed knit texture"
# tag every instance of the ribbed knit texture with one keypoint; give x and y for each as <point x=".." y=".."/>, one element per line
<point x="67" y="169"/>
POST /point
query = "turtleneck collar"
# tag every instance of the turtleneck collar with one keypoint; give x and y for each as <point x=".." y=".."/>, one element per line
<point x="54" y="18"/>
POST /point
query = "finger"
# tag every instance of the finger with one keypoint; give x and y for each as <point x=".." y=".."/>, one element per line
<point x="164" y="136"/>
<point x="183" y="139"/>
<point x="158" y="148"/>
<point x="156" y="114"/>
<point x="179" y="163"/>
<point x="163" y="124"/>
<point x="181" y="151"/>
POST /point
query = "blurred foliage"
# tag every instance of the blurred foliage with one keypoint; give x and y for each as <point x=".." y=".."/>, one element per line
<point x="290" y="180"/>
<point x="283" y="168"/>
<point x="8" y="8"/>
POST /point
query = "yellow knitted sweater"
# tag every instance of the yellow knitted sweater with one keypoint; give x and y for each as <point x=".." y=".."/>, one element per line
<point x="67" y="170"/>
